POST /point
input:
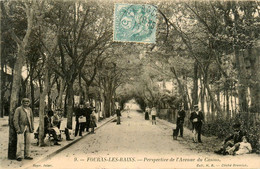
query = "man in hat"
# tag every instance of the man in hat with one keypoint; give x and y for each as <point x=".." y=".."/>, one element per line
<point x="80" y="118"/>
<point x="23" y="124"/>
<point x="232" y="141"/>
<point x="180" y="121"/>
<point x="88" y="112"/>
<point x="197" y="119"/>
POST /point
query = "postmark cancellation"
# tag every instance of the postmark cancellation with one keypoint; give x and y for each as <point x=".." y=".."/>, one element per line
<point x="135" y="23"/>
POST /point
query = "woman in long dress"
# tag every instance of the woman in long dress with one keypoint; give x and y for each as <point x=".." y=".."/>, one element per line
<point x="93" y="121"/>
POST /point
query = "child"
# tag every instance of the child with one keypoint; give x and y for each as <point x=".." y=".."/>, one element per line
<point x="244" y="147"/>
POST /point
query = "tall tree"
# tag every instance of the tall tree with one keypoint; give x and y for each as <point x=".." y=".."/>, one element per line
<point x="22" y="42"/>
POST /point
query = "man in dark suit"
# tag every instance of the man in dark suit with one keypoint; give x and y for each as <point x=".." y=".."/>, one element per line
<point x="80" y="113"/>
<point x="88" y="113"/>
<point x="118" y="114"/>
<point x="180" y="121"/>
<point x="197" y="119"/>
<point x="23" y="124"/>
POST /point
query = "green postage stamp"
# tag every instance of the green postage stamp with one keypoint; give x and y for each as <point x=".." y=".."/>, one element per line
<point x="135" y="23"/>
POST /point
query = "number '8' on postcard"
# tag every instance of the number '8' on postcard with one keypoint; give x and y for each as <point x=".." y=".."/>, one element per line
<point x="135" y="23"/>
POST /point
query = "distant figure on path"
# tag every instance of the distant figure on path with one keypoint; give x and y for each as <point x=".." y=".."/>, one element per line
<point x="153" y="113"/>
<point x="118" y="115"/>
<point x="197" y="119"/>
<point x="127" y="111"/>
<point x="180" y="121"/>
<point x="147" y="110"/>
<point x="23" y="123"/>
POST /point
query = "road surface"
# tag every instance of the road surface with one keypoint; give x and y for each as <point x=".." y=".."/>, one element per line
<point x="136" y="143"/>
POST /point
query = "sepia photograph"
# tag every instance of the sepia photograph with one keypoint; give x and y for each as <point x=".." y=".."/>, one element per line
<point x="130" y="84"/>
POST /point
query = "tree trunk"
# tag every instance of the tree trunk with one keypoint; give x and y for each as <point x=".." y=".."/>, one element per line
<point x="32" y="91"/>
<point x="14" y="103"/>
<point x="107" y="103"/>
<point x="242" y="87"/>
<point x="212" y="111"/>
<point x="23" y="92"/>
<point x="255" y="74"/>
<point x="227" y="105"/>
<point x="16" y="81"/>
<point x="42" y="105"/>
<point x="102" y="103"/>
<point x="202" y="95"/>
<point x="87" y="93"/>
<point x="60" y="92"/>
<point x="195" y="97"/>
<point x="1" y="78"/>
<point x="50" y="101"/>
<point x="231" y="100"/>
<point x="2" y="83"/>
<point x="208" y="107"/>
<point x="224" y="100"/>
<point x="70" y="105"/>
<point x="181" y="89"/>
<point x="188" y="104"/>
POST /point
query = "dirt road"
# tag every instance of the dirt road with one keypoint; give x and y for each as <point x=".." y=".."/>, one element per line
<point x="136" y="143"/>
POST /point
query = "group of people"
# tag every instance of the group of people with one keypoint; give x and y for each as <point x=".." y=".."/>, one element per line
<point x="52" y="122"/>
<point x="196" y="118"/>
<point x="85" y="119"/>
<point x="23" y="122"/>
<point x="235" y="144"/>
<point x="153" y="113"/>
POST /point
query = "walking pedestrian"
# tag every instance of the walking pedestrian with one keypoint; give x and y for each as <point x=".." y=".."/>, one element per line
<point x="180" y="121"/>
<point x="93" y="122"/>
<point x="80" y="119"/>
<point x="197" y="119"/>
<point x="23" y="124"/>
<point x="147" y="110"/>
<point x="127" y="111"/>
<point x="118" y="114"/>
<point x="153" y="113"/>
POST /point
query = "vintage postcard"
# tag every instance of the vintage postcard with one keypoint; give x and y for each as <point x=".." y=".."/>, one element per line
<point x="127" y="84"/>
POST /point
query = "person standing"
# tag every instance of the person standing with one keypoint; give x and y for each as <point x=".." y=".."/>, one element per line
<point x="93" y="121"/>
<point x="197" y="119"/>
<point x="180" y="121"/>
<point x="147" y="110"/>
<point x="153" y="113"/>
<point x="80" y="120"/>
<point x="23" y="123"/>
<point x="118" y="114"/>
<point x="127" y="111"/>
<point x="88" y="112"/>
